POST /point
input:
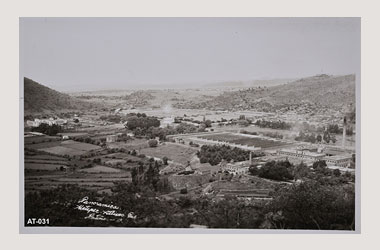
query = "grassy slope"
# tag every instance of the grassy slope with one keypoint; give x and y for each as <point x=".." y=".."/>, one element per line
<point x="39" y="98"/>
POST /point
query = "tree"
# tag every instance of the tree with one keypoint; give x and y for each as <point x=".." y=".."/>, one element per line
<point x="183" y="191"/>
<point x="152" y="143"/>
<point x="48" y="129"/>
<point x="301" y="171"/>
<point x="142" y="122"/>
<point x="243" y="123"/>
<point x="208" y="123"/>
<point x="320" y="166"/>
<point x="310" y="205"/>
<point x="326" y="137"/>
<point x="279" y="171"/>
<point x="353" y="161"/>
<point x="336" y="172"/>
<point x="134" y="174"/>
<point x="253" y="170"/>
<point x="214" y="154"/>
<point x="165" y="160"/>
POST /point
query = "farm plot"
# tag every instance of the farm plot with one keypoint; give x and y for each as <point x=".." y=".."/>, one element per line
<point x="79" y="145"/>
<point x="175" y="152"/>
<point x="59" y="150"/>
<point x="27" y="160"/>
<point x="40" y="139"/>
<point x="249" y="141"/>
<point x="135" y="144"/>
<point x="42" y="166"/>
<point x="100" y="169"/>
<point x="39" y="161"/>
<point x="44" y="157"/>
<point x="43" y="145"/>
<point x="64" y="147"/>
<point x="91" y="180"/>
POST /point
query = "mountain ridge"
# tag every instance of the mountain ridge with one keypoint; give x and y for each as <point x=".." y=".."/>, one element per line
<point x="322" y="90"/>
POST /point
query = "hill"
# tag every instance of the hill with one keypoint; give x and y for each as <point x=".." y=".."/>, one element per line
<point x="321" y="90"/>
<point x="247" y="84"/>
<point x="41" y="99"/>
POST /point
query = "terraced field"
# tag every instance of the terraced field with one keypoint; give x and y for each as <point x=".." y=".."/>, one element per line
<point x="35" y="181"/>
<point x="100" y="169"/>
<point x="68" y="147"/>
<point x="44" y="171"/>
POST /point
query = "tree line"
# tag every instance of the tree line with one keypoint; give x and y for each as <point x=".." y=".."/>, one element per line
<point x="273" y="124"/>
<point x="316" y="138"/>
<point x="214" y="154"/>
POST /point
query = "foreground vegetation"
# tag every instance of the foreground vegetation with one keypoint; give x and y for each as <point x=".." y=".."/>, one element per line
<point x="309" y="205"/>
<point x="313" y="203"/>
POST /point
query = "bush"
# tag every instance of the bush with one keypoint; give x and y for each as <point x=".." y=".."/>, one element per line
<point x="208" y="123"/>
<point x="152" y="143"/>
<point x="47" y="129"/>
<point x="183" y="191"/>
<point x="336" y="172"/>
<point x="165" y="160"/>
<point x="253" y="170"/>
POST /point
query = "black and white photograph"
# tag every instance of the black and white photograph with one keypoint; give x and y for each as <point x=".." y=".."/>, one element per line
<point x="246" y="124"/>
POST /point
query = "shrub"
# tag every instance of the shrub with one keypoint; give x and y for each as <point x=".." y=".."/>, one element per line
<point x="183" y="191"/>
<point x="165" y="160"/>
<point x="152" y="143"/>
<point x="253" y="170"/>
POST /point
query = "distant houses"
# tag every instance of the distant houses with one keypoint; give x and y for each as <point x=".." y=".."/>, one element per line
<point x="237" y="168"/>
<point x="167" y="121"/>
<point x="50" y="121"/>
<point x="111" y="138"/>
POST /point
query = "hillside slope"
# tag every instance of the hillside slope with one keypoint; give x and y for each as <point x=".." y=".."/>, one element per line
<point x="321" y="90"/>
<point x="39" y="99"/>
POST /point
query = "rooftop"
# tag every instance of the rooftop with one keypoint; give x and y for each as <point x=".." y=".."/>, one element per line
<point x="302" y="152"/>
<point x="339" y="157"/>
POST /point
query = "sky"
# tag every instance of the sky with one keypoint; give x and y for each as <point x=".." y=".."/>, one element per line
<point x="78" y="54"/>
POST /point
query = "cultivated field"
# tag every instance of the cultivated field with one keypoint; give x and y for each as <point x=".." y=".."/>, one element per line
<point x="68" y="147"/>
<point x="100" y="169"/>
<point x="42" y="166"/>
<point x="175" y="152"/>
<point x="39" y="139"/>
<point x="44" y="171"/>
<point x="244" y="140"/>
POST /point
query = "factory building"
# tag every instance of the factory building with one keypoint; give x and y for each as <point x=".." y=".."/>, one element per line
<point x="301" y="154"/>
<point x="111" y="138"/>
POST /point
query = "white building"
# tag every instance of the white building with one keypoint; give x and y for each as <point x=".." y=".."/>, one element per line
<point x="338" y="160"/>
<point x="50" y="121"/>
<point x="301" y="154"/>
<point x="111" y="138"/>
<point x="167" y="121"/>
<point x="234" y="168"/>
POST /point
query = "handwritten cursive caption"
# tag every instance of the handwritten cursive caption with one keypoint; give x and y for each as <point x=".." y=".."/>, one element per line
<point x="100" y="211"/>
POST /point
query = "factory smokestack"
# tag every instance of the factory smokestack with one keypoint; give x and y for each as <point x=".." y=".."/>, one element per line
<point x="344" y="132"/>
